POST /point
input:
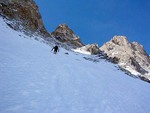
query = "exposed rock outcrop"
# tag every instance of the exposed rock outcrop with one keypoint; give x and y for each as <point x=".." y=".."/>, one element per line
<point x="65" y="35"/>
<point x="25" y="16"/>
<point x="131" y="56"/>
<point x="89" y="49"/>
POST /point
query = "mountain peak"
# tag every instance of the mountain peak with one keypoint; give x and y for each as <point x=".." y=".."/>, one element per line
<point x="66" y="35"/>
<point x="132" y="56"/>
<point x="64" y="29"/>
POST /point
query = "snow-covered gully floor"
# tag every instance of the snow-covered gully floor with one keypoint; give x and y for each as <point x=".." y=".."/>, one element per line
<point x="34" y="80"/>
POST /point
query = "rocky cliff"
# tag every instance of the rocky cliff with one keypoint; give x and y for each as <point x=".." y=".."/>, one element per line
<point x="131" y="56"/>
<point x="65" y="35"/>
<point x="24" y="15"/>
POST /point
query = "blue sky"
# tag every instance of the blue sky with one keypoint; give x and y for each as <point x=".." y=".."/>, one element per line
<point x="97" y="21"/>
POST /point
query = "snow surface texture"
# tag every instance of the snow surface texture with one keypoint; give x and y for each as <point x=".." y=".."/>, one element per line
<point x="34" y="80"/>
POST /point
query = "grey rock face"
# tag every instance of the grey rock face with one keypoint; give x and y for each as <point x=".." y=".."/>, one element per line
<point x="131" y="56"/>
<point x="25" y="14"/>
<point x="64" y="34"/>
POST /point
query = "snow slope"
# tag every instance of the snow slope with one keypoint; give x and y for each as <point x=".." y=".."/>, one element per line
<point x="34" y="80"/>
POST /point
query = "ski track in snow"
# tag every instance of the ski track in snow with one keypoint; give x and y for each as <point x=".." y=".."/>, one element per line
<point x="34" y="80"/>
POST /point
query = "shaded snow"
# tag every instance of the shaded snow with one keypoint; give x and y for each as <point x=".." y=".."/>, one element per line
<point x="34" y="80"/>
